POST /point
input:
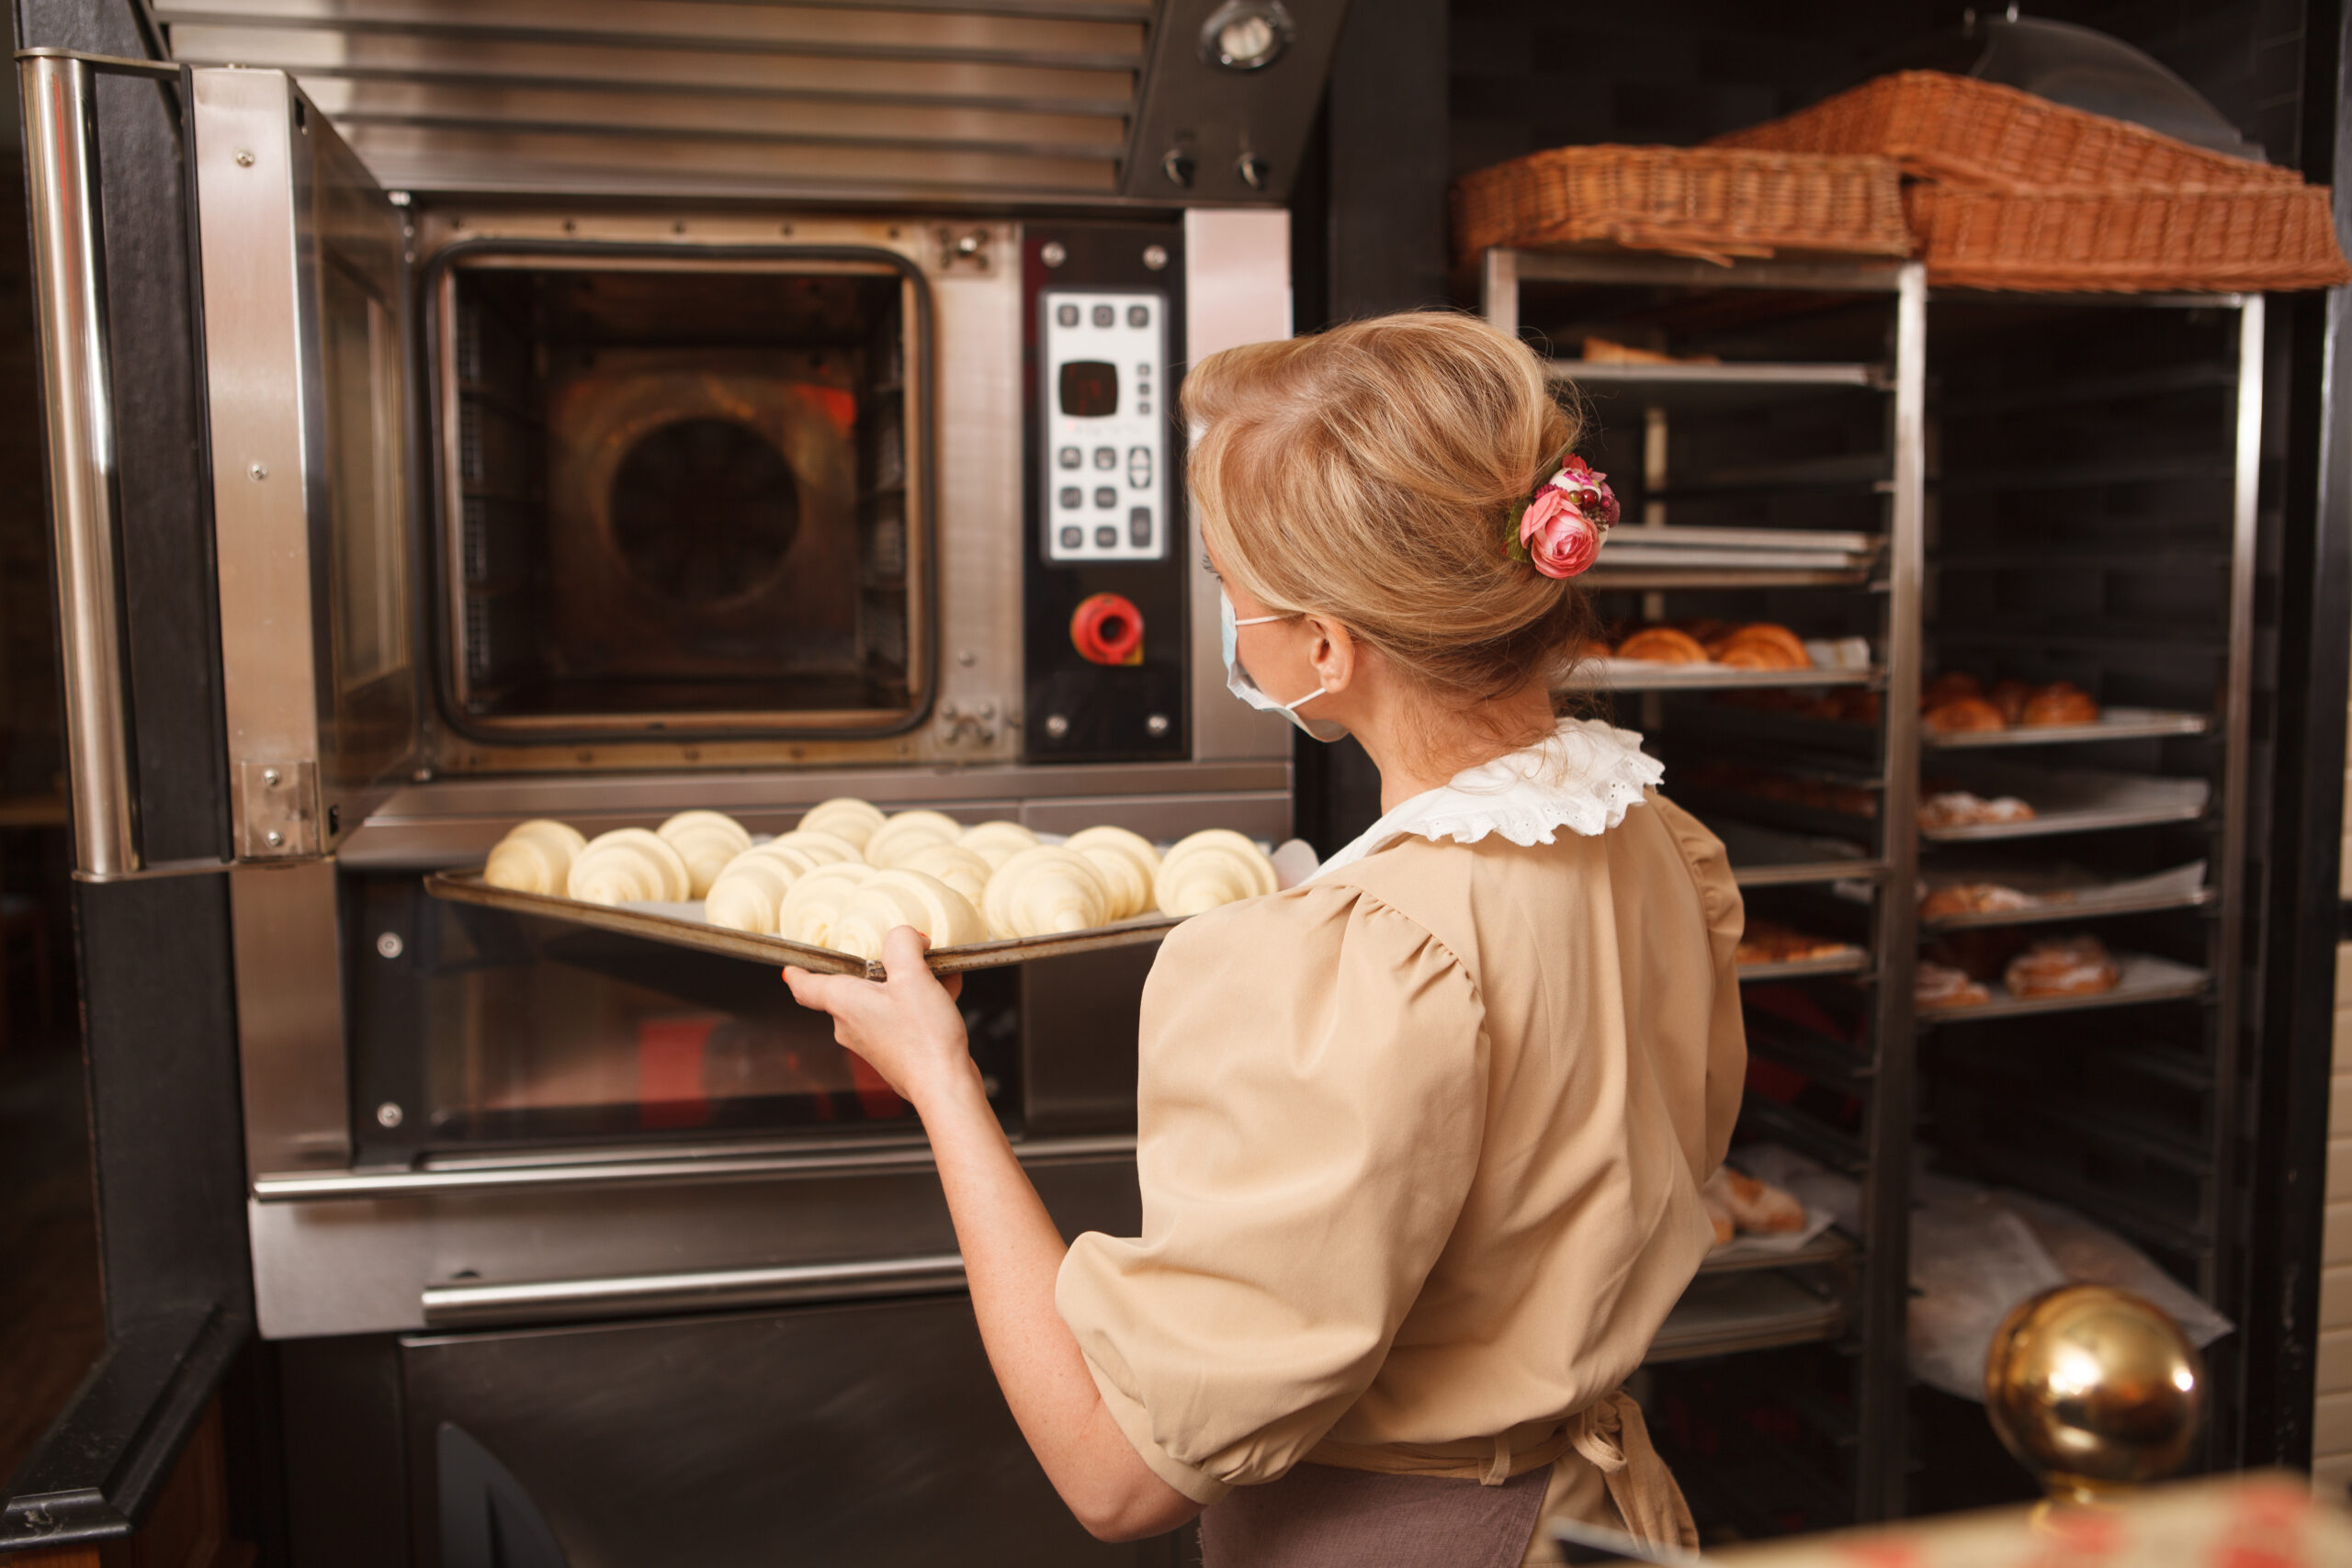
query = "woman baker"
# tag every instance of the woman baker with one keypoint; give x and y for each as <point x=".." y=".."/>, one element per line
<point x="1419" y="1139"/>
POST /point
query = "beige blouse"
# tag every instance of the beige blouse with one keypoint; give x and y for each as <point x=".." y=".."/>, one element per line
<point x="1420" y="1146"/>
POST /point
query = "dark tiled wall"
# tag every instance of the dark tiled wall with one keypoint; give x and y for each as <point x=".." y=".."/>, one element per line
<point x="1527" y="75"/>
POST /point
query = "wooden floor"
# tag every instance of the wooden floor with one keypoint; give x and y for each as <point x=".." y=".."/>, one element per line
<point x="51" y="1328"/>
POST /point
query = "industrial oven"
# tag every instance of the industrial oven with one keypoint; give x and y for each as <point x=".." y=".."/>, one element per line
<point x="602" y="497"/>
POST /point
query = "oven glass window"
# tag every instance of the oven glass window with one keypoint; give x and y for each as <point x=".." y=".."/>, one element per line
<point x="513" y="1031"/>
<point x="677" y="500"/>
<point x="361" y="350"/>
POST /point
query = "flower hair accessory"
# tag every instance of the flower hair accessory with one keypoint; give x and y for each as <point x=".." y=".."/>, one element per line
<point x="1561" y="530"/>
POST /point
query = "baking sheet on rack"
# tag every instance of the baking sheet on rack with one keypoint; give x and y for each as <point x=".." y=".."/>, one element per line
<point x="2072" y="800"/>
<point x="2146" y="978"/>
<point x="680" y="925"/>
<point x="2064" y="892"/>
<point x="2112" y="724"/>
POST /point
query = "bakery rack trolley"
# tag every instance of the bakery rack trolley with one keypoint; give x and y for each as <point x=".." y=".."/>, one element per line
<point x="2092" y="516"/>
<point x="1816" y="402"/>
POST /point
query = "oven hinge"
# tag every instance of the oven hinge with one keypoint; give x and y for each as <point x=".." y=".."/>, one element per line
<point x="278" y="810"/>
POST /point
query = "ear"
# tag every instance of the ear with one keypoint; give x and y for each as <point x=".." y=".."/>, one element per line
<point x="1334" y="653"/>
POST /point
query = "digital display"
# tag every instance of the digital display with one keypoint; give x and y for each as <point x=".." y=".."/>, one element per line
<point x="1090" y="388"/>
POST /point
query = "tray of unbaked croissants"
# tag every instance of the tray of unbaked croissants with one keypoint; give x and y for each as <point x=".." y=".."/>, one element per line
<point x="824" y="895"/>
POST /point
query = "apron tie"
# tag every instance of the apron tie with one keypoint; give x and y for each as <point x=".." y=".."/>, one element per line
<point x="1498" y="1470"/>
<point x="1611" y="1435"/>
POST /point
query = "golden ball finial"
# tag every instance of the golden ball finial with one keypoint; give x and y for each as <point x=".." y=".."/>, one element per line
<point x="2094" y="1390"/>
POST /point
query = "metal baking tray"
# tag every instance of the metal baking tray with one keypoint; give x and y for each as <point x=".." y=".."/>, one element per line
<point x="2078" y="800"/>
<point x="675" y="925"/>
<point x="1723" y="1313"/>
<point x="2113" y="724"/>
<point x="1649" y="676"/>
<point x="2146" y="978"/>
<point x="2062" y="893"/>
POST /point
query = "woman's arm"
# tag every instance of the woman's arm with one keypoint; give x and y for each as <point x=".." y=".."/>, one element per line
<point x="909" y="1029"/>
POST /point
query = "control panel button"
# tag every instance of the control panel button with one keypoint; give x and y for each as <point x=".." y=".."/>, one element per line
<point x="1105" y="316"/>
<point x="1139" y="315"/>
<point x="1106" y="456"/>
<point x="1107" y="628"/>
<point x="1067" y="456"/>
<point x="1106" y="497"/>
<point x="1143" y="407"/>
<point x="1066" y="316"/>
<point x="1073" y="537"/>
<point x="1068" y="497"/>
<point x="1138" y="468"/>
<point x="1106" y="538"/>
<point x="1139" y="525"/>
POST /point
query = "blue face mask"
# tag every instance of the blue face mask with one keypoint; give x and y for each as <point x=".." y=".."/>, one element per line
<point x="1238" y="679"/>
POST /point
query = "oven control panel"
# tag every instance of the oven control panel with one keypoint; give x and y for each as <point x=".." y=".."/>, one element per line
<point x="1102" y="357"/>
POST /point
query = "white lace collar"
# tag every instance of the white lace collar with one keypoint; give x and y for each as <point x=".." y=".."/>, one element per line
<point x="1583" y="778"/>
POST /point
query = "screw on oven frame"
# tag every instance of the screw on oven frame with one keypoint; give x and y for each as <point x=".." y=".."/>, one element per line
<point x="274" y="839"/>
<point x="390" y="1114"/>
<point x="1052" y="252"/>
<point x="1056" y="725"/>
<point x="1156" y="724"/>
<point x="270" y="777"/>
<point x="389" y="943"/>
<point x="259" y="470"/>
<point x="244" y="158"/>
<point x="1154" y="257"/>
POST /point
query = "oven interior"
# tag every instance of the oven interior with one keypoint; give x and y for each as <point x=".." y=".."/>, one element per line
<point x="676" y="496"/>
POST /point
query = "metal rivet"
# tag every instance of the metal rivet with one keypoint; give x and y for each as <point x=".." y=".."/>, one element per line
<point x="259" y="470"/>
<point x="967" y="658"/>
<point x="1052" y="254"/>
<point x="1155" y="256"/>
<point x="390" y="945"/>
<point x="273" y="838"/>
<point x="245" y="159"/>
<point x="388" y="1114"/>
<point x="1157" y="724"/>
<point x="270" y="777"/>
<point x="1056" y="725"/>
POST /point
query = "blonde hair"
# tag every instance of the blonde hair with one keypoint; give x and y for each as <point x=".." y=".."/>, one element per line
<point x="1376" y="473"/>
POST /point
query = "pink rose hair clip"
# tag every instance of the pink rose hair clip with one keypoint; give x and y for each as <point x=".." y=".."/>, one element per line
<point x="1561" y="528"/>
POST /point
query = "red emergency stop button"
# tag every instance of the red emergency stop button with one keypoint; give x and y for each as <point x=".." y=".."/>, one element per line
<point x="1108" y="629"/>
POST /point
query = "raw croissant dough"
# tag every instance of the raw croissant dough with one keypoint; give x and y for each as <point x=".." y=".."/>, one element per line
<point x="1044" y="891"/>
<point x="844" y="817"/>
<point x="888" y="899"/>
<point x="750" y="892"/>
<point x="706" y="840"/>
<point x="996" y="843"/>
<point x="1211" y="867"/>
<point x="534" y="857"/>
<point x="907" y="831"/>
<point x="627" y="866"/>
<point x="825" y="849"/>
<point x="1127" y="864"/>
<point x="819" y="899"/>
<point x="958" y="867"/>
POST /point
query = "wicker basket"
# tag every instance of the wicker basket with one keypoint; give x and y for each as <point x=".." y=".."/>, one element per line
<point x="1979" y="134"/>
<point x="2266" y="237"/>
<point x="1708" y="202"/>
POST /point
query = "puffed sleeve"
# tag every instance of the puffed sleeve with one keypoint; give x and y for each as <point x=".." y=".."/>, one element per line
<point x="1311" y="1103"/>
<point x="1727" y="915"/>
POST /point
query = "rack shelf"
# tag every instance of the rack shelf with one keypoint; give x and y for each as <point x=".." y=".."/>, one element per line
<point x="1832" y="1245"/>
<point x="2145" y="979"/>
<point x="1684" y="382"/>
<point x="1641" y="675"/>
<point x="2114" y="724"/>
<point x="1723" y="1315"/>
<point x="2085" y="905"/>
<point x="1855" y="963"/>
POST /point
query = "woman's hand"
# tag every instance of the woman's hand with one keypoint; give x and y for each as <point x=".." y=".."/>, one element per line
<point x="907" y="1027"/>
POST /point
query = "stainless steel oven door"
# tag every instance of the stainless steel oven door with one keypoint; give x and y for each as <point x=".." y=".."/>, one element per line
<point x="306" y="329"/>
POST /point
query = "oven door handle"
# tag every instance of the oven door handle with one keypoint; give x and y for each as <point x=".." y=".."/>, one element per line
<point x="469" y="1304"/>
<point x="57" y="89"/>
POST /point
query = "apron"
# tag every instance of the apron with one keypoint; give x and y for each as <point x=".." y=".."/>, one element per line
<point x="1467" y="1505"/>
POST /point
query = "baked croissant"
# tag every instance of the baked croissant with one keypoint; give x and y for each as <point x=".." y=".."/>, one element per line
<point x="996" y="843"/>
<point x="750" y="893"/>
<point x="907" y="831"/>
<point x="534" y="857"/>
<point x="1044" y="891"/>
<point x="823" y="848"/>
<point x="818" y="899"/>
<point x="706" y="840"/>
<point x="960" y="868"/>
<point x="1214" y="867"/>
<point x="888" y="899"/>
<point x="627" y="866"/>
<point x="844" y="817"/>
<point x="1127" y="863"/>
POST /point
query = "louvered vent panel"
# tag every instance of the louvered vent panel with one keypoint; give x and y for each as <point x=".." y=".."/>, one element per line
<point x="667" y="97"/>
